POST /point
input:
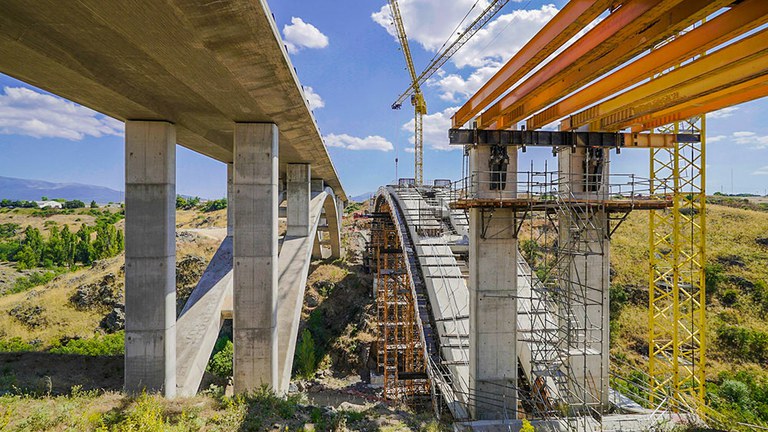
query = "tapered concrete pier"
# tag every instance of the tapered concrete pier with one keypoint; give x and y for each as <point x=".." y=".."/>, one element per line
<point x="150" y="257"/>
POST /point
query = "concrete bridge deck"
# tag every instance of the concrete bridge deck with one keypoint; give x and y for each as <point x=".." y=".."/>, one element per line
<point x="200" y="65"/>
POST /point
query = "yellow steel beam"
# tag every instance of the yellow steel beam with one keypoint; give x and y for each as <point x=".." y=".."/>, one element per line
<point x="574" y="16"/>
<point x="649" y="140"/>
<point x="741" y="18"/>
<point x="744" y="92"/>
<point x="633" y="28"/>
<point x="736" y="63"/>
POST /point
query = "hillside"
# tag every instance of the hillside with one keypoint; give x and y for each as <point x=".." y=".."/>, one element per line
<point x="32" y="190"/>
<point x="737" y="306"/>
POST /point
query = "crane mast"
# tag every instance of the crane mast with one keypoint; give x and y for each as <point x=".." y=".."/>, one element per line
<point x="417" y="98"/>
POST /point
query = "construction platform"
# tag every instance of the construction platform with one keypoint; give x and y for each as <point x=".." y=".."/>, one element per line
<point x="542" y="204"/>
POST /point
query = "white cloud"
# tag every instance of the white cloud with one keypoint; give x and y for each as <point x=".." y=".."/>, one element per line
<point x="299" y="34"/>
<point x="723" y="113"/>
<point x="26" y="112"/>
<point x="371" y="142"/>
<point x="435" y="129"/>
<point x="745" y="138"/>
<point x="314" y="99"/>
<point x="410" y="150"/>
<point x="426" y="23"/>
<point x="761" y="171"/>
<point x="454" y="88"/>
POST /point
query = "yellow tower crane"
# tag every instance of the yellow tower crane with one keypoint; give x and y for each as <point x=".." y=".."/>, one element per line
<point x="417" y="97"/>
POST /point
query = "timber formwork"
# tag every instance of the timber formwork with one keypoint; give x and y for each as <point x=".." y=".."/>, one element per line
<point x="400" y="354"/>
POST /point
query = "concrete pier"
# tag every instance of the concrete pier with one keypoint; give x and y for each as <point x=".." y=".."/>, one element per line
<point x="583" y="174"/>
<point x="255" y="256"/>
<point x="298" y="192"/>
<point x="150" y="257"/>
<point x="492" y="292"/>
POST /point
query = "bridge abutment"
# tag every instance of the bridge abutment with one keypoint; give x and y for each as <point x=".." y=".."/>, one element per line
<point x="150" y="257"/>
<point x="255" y="266"/>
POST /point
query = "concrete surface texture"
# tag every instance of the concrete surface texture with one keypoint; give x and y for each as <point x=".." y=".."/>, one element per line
<point x="200" y="65"/>
<point x="492" y="295"/>
<point x="255" y="256"/>
<point x="150" y="257"/>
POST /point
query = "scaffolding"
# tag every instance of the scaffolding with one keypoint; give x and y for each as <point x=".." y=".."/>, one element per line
<point x="400" y="352"/>
<point x="563" y="226"/>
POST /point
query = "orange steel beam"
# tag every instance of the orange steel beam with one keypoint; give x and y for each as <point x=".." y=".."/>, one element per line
<point x="741" y="18"/>
<point x="615" y="40"/>
<point x="732" y="65"/>
<point x="574" y="16"/>
<point x="740" y="93"/>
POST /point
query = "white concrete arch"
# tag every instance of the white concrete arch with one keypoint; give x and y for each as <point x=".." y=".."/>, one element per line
<point x="211" y="302"/>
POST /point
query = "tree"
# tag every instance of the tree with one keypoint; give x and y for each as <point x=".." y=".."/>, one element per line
<point x="74" y="204"/>
<point x="45" y="198"/>
<point x="83" y="249"/>
<point x="94" y="205"/>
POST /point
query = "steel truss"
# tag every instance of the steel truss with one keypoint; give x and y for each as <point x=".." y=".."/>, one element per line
<point x="677" y="321"/>
<point x="677" y="251"/>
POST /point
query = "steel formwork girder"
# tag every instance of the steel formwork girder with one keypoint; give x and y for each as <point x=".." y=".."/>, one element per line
<point x="741" y="18"/>
<point x="744" y="92"/>
<point x="737" y="63"/>
<point x="636" y="26"/>
<point x="575" y="15"/>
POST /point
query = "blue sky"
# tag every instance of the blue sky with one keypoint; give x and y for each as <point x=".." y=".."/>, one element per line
<point x="343" y="52"/>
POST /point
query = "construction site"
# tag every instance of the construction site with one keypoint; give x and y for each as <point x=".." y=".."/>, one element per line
<point x="491" y="284"/>
<point x="492" y="290"/>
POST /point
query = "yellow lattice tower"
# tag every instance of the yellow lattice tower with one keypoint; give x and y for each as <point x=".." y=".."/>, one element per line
<point x="677" y="321"/>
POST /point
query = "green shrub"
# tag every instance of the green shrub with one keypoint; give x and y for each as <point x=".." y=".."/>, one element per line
<point x="15" y="344"/>
<point x="34" y="279"/>
<point x="106" y="345"/>
<point x="714" y="277"/>
<point x="306" y="356"/>
<point x="214" y="205"/>
<point x="734" y="391"/>
<point x="220" y="363"/>
<point x="729" y="297"/>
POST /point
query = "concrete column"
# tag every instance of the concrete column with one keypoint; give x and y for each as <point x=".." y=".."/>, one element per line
<point x="298" y="189"/>
<point x="585" y="274"/>
<point x="492" y="300"/>
<point x="230" y="200"/>
<point x="150" y="257"/>
<point x="255" y="256"/>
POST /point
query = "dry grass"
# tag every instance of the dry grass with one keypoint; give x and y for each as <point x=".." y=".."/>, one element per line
<point x="731" y="232"/>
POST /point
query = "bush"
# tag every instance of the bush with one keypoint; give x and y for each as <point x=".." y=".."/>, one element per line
<point x="214" y="205"/>
<point x="107" y="345"/>
<point x="15" y="344"/>
<point x="34" y="279"/>
<point x="729" y="298"/>
<point x="734" y="391"/>
<point x="306" y="357"/>
<point x="221" y="361"/>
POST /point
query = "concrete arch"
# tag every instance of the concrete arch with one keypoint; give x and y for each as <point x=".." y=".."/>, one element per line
<point x="211" y="302"/>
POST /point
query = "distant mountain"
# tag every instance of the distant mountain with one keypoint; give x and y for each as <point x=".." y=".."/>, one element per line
<point x="361" y="197"/>
<point x="33" y="190"/>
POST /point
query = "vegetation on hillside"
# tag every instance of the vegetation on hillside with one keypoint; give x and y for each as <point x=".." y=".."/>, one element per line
<point x="737" y="307"/>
